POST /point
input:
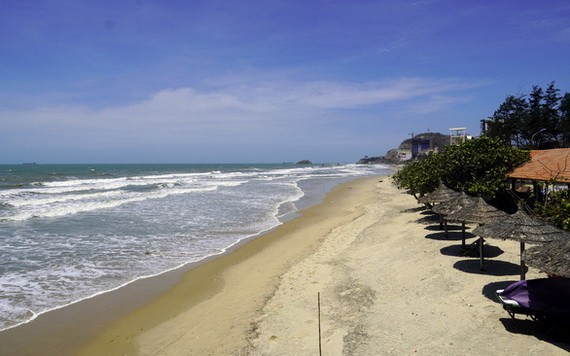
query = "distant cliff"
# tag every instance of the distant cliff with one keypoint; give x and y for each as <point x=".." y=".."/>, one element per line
<point x="437" y="141"/>
<point x="410" y="148"/>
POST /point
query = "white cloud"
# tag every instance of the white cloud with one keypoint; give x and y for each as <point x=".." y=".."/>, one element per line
<point x="240" y="112"/>
<point x="249" y="102"/>
<point x="346" y="95"/>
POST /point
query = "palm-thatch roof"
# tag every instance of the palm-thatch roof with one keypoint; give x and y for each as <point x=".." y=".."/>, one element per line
<point x="521" y="227"/>
<point x="451" y="205"/>
<point x="478" y="211"/>
<point x="552" y="258"/>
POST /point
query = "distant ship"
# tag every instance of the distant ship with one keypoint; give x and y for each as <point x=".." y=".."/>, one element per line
<point x="29" y="163"/>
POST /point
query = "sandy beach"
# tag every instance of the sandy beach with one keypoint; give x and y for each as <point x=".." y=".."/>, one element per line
<point x="390" y="283"/>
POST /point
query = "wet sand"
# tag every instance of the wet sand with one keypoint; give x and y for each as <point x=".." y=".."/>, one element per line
<point x="214" y="309"/>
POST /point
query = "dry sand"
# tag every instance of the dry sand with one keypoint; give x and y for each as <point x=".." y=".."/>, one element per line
<point x="389" y="284"/>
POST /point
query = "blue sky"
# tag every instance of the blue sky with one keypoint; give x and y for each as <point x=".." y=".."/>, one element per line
<point x="145" y="81"/>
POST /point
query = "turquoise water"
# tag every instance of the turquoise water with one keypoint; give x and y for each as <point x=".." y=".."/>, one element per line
<point x="68" y="232"/>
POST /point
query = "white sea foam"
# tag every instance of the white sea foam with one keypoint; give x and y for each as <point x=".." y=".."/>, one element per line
<point x="53" y="202"/>
<point x="90" y="235"/>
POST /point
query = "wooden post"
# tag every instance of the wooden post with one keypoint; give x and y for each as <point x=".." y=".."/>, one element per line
<point x="514" y="190"/>
<point x="536" y="192"/>
<point x="482" y="258"/>
<point x="523" y="265"/>
<point x="319" y="310"/>
<point x="463" y="235"/>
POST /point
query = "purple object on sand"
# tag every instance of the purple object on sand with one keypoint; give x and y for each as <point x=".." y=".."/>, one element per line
<point x="540" y="294"/>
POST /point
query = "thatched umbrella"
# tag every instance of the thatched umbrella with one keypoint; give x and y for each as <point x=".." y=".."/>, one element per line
<point x="477" y="212"/>
<point x="450" y="206"/>
<point x="523" y="228"/>
<point x="552" y="258"/>
<point x="459" y="200"/>
<point x="439" y="195"/>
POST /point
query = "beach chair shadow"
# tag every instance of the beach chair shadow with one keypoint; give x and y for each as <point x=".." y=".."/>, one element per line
<point x="558" y="335"/>
<point x="492" y="267"/>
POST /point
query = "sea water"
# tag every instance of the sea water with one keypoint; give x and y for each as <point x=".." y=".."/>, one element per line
<point x="69" y="232"/>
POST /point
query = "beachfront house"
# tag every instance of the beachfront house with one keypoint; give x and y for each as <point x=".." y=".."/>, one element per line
<point x="547" y="171"/>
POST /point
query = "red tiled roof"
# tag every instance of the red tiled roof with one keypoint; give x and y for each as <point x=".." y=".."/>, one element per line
<point x="546" y="165"/>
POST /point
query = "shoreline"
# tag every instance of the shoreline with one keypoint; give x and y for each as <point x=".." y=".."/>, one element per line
<point x="102" y="309"/>
<point x="306" y="201"/>
<point x="226" y="293"/>
<point x="389" y="281"/>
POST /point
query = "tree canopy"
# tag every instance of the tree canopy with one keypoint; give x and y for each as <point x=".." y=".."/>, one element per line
<point x="540" y="122"/>
<point x="478" y="166"/>
<point x="420" y="176"/>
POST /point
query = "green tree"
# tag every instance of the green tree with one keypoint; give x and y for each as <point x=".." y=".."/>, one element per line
<point x="507" y="121"/>
<point x="564" y="120"/>
<point x="533" y="127"/>
<point x="551" y="116"/>
<point x="477" y="166"/>
<point x="556" y="209"/>
<point x="539" y="122"/>
<point x="480" y="166"/>
<point x="420" y="176"/>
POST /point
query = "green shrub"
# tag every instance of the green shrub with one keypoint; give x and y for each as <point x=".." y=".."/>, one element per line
<point x="478" y="166"/>
<point x="556" y="209"/>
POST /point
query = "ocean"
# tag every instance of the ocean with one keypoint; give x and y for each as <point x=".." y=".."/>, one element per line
<point x="70" y="232"/>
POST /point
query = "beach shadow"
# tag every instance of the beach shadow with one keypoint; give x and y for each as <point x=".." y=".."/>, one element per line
<point x="451" y="236"/>
<point x="557" y="334"/>
<point x="429" y="220"/>
<point x="438" y="227"/>
<point x="414" y="210"/>
<point x="434" y="227"/>
<point x="428" y="211"/>
<point x="491" y="267"/>
<point x="489" y="290"/>
<point x="457" y="250"/>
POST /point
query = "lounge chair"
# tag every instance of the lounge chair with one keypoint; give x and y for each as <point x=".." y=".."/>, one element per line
<point x="544" y="298"/>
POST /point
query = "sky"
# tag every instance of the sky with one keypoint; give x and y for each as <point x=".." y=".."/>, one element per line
<point x="262" y="81"/>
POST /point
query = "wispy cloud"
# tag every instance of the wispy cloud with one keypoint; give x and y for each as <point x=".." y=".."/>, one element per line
<point x="246" y="104"/>
<point x="275" y="111"/>
<point x="347" y="95"/>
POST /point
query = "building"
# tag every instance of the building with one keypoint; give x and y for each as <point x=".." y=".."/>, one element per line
<point x="457" y="135"/>
<point x="404" y="154"/>
<point x="551" y="167"/>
